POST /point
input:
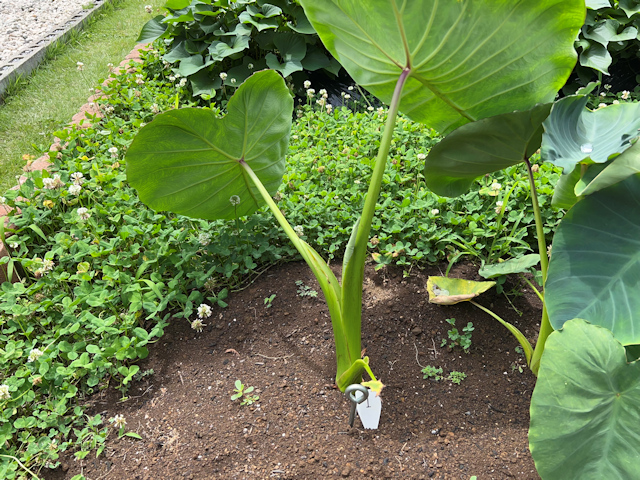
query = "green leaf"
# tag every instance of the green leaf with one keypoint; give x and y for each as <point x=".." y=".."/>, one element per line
<point x="584" y="408"/>
<point x="467" y="59"/>
<point x="594" y="270"/>
<point x="482" y="147"/>
<point x="620" y="168"/>
<point x="177" y="4"/>
<point x="575" y="134"/>
<point x="513" y="265"/>
<point x="178" y="52"/>
<point x="221" y="50"/>
<point x="449" y="291"/>
<point x="133" y="435"/>
<point x="596" y="57"/>
<point x="630" y="7"/>
<point x="152" y="29"/>
<point x="202" y="84"/>
<point x="292" y="50"/>
<point x="192" y="65"/>
<point x="187" y="161"/>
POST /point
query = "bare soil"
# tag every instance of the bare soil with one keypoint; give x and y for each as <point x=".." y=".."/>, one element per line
<point x="299" y="428"/>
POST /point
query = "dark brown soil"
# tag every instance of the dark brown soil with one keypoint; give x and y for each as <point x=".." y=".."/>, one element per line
<point x="299" y="427"/>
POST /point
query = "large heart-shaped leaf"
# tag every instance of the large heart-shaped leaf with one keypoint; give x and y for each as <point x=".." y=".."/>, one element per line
<point x="468" y="59"/>
<point x="513" y="265"/>
<point x="620" y="168"/>
<point x="585" y="409"/>
<point x="482" y="147"/>
<point x="187" y="161"/>
<point x="573" y="133"/>
<point x="594" y="272"/>
<point x="152" y="29"/>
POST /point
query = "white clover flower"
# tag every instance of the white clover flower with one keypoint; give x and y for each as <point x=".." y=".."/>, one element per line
<point x="250" y="66"/>
<point x="83" y="213"/>
<point x="233" y="80"/>
<point x="171" y="78"/>
<point x="118" y="421"/>
<point x="34" y="354"/>
<point x="4" y="392"/>
<point x="204" y="311"/>
<point x="329" y="108"/>
<point x="616" y="102"/>
<point x="322" y="92"/>
<point x="310" y="92"/>
<point x="204" y="239"/>
<point x="182" y="82"/>
<point x="602" y="105"/>
<point x="307" y="84"/>
<point x="198" y="325"/>
<point x="370" y="108"/>
<point x="347" y="96"/>
<point x="148" y="8"/>
<point x="234" y="199"/>
<point x="109" y="109"/>
<point x="625" y="94"/>
<point x="223" y="76"/>
<point x="421" y="156"/>
<point x="322" y="102"/>
<point x="495" y="186"/>
<point x="14" y="245"/>
<point x="498" y="206"/>
<point x="75" y="189"/>
<point x="603" y="94"/>
<point x="80" y="65"/>
<point x="299" y="230"/>
<point x="52" y="183"/>
<point x="113" y="151"/>
<point x="78" y="178"/>
<point x="350" y="87"/>
<point x="47" y="265"/>
<point x="380" y="111"/>
<point x="3" y="201"/>
<point x="607" y="87"/>
<point x="435" y="211"/>
<point x="110" y="66"/>
<point x="155" y="108"/>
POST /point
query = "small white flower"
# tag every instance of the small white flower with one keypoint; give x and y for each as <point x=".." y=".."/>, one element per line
<point x="118" y="421"/>
<point x="347" y="96"/>
<point x="148" y="8"/>
<point x="421" y="156"/>
<point x="4" y="392"/>
<point x="495" y="186"/>
<point x="171" y="78"/>
<point x="603" y="94"/>
<point x="498" y="206"/>
<point x="14" y="245"/>
<point x="350" y="87"/>
<point x="250" y="66"/>
<point x="307" y="84"/>
<point x="34" y="354"/>
<point x="370" y="108"/>
<point x="182" y="82"/>
<point x="299" y="230"/>
<point x="113" y="150"/>
<point x="329" y="108"/>
<point x="204" y="239"/>
<point x="75" y="189"/>
<point x="204" y="311"/>
<point x="110" y="66"/>
<point x="155" y="108"/>
<point x="616" y="102"/>
<point x="310" y="92"/>
<point x="47" y="265"/>
<point x="234" y="199"/>
<point x="198" y="325"/>
<point x="3" y="201"/>
<point x="80" y="65"/>
<point x="51" y="183"/>
<point x="322" y="92"/>
<point x="607" y="87"/>
<point x="435" y="211"/>
<point x="83" y="213"/>
<point x="602" y="105"/>
<point x="380" y="111"/>
<point x="223" y="76"/>
<point x="625" y="94"/>
<point x="233" y="80"/>
<point x="322" y="102"/>
<point x="78" y="178"/>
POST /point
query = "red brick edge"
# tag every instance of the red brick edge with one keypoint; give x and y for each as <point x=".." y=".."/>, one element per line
<point x="43" y="162"/>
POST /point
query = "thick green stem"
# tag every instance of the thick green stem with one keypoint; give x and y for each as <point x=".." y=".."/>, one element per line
<point x="545" y="325"/>
<point x="353" y="272"/>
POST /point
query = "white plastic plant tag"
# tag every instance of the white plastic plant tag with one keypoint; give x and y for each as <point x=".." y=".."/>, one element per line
<point x="369" y="411"/>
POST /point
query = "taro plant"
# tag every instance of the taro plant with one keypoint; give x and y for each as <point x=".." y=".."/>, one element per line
<point x="585" y="405"/>
<point x="218" y="44"/>
<point x="442" y="63"/>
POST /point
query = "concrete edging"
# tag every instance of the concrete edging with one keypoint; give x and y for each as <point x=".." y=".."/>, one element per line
<point x="25" y="62"/>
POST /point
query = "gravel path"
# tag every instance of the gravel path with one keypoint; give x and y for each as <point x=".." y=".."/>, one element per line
<point x="24" y="21"/>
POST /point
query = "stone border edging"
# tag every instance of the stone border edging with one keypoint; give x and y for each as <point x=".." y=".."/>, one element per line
<point x="43" y="162"/>
<point x="31" y="56"/>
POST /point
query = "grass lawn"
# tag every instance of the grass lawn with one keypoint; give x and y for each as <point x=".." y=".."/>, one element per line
<point x="56" y="90"/>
